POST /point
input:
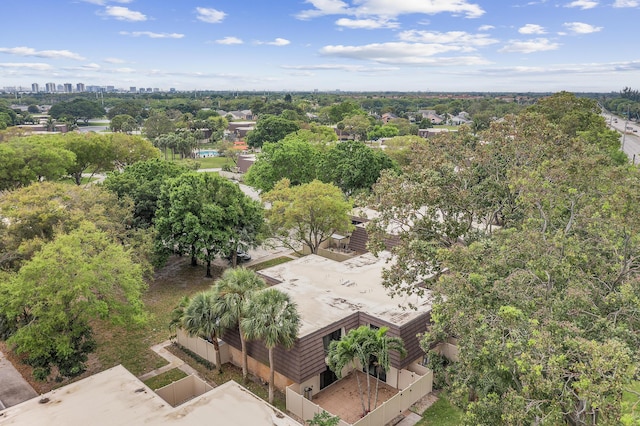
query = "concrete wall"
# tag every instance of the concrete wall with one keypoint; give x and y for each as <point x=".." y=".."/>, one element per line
<point x="415" y="382"/>
<point x="258" y="369"/>
<point x="183" y="390"/>
<point x="302" y="407"/>
<point x="399" y="403"/>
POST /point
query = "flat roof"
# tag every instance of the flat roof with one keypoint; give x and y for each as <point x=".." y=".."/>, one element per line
<point x="327" y="291"/>
<point x="117" y="397"/>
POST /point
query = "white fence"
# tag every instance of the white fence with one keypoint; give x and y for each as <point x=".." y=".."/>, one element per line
<point x="203" y="348"/>
<point x="420" y="384"/>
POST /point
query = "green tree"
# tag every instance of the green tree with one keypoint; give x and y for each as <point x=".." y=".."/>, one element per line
<point x="201" y="318"/>
<point x="234" y="290"/>
<point x="141" y="182"/>
<point x="307" y="214"/>
<point x="353" y="350"/>
<point x="275" y="321"/>
<point x="293" y="158"/>
<point x="131" y="107"/>
<point x="129" y="149"/>
<point x="204" y="214"/>
<point x="157" y="124"/>
<point x="74" y="279"/>
<point x="324" y="419"/>
<point x="386" y="131"/>
<point x="270" y="128"/>
<point x="353" y="167"/>
<point x="381" y="346"/>
<point x="38" y="211"/>
<point x="357" y="126"/>
<point x="77" y="109"/>
<point x="91" y="150"/>
<point x="32" y="159"/>
<point x="123" y="123"/>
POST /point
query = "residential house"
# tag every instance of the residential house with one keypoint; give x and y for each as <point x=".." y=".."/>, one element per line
<point x="388" y="116"/>
<point x="431" y="115"/>
<point x="332" y="298"/>
<point x="461" y="118"/>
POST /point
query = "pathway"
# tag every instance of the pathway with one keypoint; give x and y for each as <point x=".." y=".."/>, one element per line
<point x="174" y="362"/>
<point x="14" y="389"/>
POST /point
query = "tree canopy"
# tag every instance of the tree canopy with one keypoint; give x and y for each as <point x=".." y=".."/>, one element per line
<point x="77" y="109"/>
<point x="533" y="222"/>
<point x="75" y="278"/>
<point x="206" y="215"/>
<point x="270" y="128"/>
<point x="293" y="158"/>
<point x="353" y="167"/>
<point x="307" y="214"/>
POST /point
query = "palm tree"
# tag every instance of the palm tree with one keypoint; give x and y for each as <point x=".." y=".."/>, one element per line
<point x="234" y="290"/>
<point x="381" y="346"/>
<point x="177" y="314"/>
<point x="202" y="319"/>
<point x="360" y="346"/>
<point x="274" y="319"/>
<point x="349" y="350"/>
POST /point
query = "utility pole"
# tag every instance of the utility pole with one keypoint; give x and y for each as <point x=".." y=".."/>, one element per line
<point x="624" y="131"/>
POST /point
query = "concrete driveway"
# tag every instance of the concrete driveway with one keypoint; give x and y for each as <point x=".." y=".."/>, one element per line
<point x="14" y="389"/>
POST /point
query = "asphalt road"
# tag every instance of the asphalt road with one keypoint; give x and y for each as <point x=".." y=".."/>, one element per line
<point x="629" y="140"/>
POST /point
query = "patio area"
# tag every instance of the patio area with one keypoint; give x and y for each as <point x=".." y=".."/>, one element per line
<point x="342" y="398"/>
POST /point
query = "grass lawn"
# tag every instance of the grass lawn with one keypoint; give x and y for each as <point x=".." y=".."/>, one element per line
<point x="206" y="162"/>
<point x="269" y="263"/>
<point x="441" y="413"/>
<point x="164" y="379"/>
<point x="229" y="372"/>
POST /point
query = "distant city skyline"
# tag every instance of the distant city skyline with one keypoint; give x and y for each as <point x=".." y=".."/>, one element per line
<point x="302" y="45"/>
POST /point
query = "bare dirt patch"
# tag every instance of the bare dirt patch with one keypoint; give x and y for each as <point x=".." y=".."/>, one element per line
<point x="342" y="398"/>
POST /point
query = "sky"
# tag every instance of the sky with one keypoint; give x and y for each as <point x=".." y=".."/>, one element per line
<point x="304" y="45"/>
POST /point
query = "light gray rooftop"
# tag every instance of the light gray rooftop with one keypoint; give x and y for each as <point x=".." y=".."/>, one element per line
<point x="327" y="291"/>
<point x="117" y="397"/>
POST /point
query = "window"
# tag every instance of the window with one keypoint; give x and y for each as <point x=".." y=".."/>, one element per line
<point x="326" y="340"/>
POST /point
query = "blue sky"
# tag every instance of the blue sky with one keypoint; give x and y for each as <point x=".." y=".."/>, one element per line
<point x="404" y="45"/>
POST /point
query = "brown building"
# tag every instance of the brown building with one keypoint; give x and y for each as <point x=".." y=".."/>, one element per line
<point x="333" y="298"/>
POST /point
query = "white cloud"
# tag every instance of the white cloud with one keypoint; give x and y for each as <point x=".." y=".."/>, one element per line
<point x="584" y="68"/>
<point x="404" y="53"/>
<point x="151" y="34"/>
<point x="529" y="46"/>
<point x="485" y="27"/>
<point x="390" y="8"/>
<point x="626" y="3"/>
<point x="28" y="65"/>
<point x="339" y="67"/>
<point x="210" y="15"/>
<point x="581" y="28"/>
<point x="103" y="2"/>
<point x="53" y="54"/>
<point x="532" y="29"/>
<point x="366" y="24"/>
<point x="457" y="38"/>
<point x="583" y="4"/>
<point x="277" y="42"/>
<point x="124" y="14"/>
<point x="114" y="60"/>
<point x="229" y="40"/>
<point x="86" y="67"/>
<point x="324" y="7"/>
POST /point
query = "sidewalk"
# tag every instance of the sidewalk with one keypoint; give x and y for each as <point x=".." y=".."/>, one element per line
<point x="14" y="389"/>
<point x="174" y="362"/>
